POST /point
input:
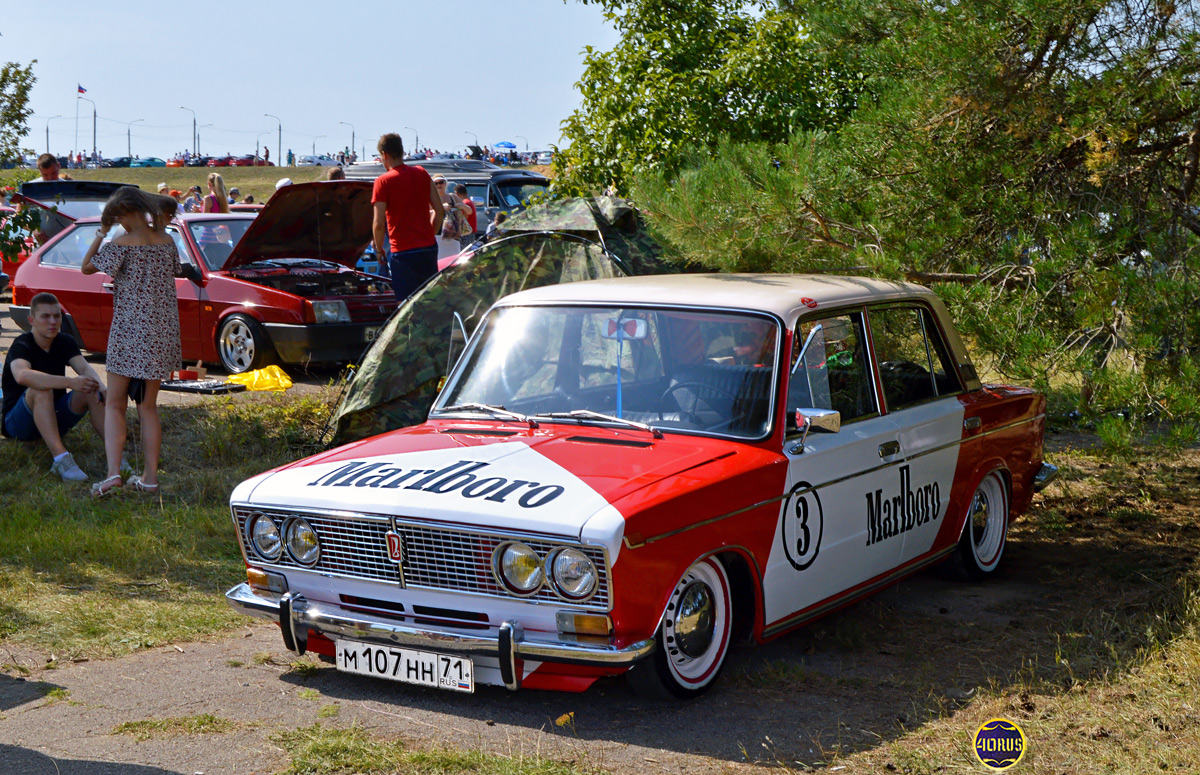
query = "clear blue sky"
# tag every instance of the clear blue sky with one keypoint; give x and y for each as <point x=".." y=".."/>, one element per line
<point x="446" y="68"/>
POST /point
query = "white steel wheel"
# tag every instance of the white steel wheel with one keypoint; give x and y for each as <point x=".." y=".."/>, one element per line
<point x="693" y="638"/>
<point x="985" y="532"/>
<point x="242" y="345"/>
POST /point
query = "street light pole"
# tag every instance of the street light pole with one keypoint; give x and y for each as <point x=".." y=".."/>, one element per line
<point x="129" y="136"/>
<point x="85" y="99"/>
<point x="260" y="134"/>
<point x="315" y="139"/>
<point x="195" y="132"/>
<point x="347" y="123"/>
<point x="526" y="139"/>
<point x="472" y="134"/>
<point x="418" y="148"/>
<point x="48" y="130"/>
<point x="279" y="152"/>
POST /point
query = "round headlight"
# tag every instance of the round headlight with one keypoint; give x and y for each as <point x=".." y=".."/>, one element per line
<point x="519" y="567"/>
<point x="264" y="536"/>
<point x="574" y="573"/>
<point x="302" y="542"/>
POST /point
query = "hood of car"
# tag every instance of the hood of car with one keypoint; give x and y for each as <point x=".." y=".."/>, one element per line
<point x="328" y="219"/>
<point x="552" y="480"/>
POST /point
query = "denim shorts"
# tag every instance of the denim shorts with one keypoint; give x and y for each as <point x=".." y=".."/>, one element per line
<point x="18" y="423"/>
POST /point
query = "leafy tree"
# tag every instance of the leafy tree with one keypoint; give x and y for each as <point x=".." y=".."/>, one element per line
<point x="685" y="74"/>
<point x="1037" y="160"/>
<point x="15" y="84"/>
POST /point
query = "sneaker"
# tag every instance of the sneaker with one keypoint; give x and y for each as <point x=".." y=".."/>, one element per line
<point x="68" y="470"/>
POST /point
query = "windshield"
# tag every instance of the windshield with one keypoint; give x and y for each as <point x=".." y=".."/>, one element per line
<point x="216" y="239"/>
<point x="516" y="194"/>
<point x="674" y="369"/>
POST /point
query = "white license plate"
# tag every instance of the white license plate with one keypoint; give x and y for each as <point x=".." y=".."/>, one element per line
<point x="423" y="668"/>
<point x="370" y="332"/>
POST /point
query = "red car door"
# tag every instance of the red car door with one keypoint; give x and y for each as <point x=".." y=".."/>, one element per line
<point x="191" y="297"/>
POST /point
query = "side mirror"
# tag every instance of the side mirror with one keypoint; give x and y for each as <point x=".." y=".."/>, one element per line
<point x="808" y="418"/>
<point x="828" y="420"/>
<point x="192" y="273"/>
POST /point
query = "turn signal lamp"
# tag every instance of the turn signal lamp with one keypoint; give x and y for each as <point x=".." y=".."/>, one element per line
<point x="583" y="624"/>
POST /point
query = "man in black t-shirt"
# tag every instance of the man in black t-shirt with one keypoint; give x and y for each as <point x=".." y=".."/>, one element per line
<point x="36" y="402"/>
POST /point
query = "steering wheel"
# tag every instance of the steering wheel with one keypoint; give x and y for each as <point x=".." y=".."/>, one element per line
<point x="697" y="389"/>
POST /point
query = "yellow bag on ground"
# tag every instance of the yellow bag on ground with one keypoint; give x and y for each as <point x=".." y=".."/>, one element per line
<point x="268" y="378"/>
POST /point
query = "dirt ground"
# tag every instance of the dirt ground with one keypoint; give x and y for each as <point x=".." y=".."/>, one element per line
<point x="1101" y="545"/>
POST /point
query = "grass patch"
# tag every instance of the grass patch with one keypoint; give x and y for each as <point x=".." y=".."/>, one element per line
<point x="305" y="667"/>
<point x="100" y="578"/>
<point x="149" y="729"/>
<point x="327" y="750"/>
<point x="312" y="695"/>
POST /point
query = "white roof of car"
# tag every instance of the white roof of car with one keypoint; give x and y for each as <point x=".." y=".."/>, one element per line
<point x="785" y="295"/>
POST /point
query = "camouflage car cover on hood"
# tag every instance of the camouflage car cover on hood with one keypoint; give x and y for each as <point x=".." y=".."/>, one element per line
<point x="614" y="223"/>
<point x="401" y="374"/>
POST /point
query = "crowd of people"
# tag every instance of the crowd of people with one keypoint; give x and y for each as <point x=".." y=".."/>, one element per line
<point x="416" y="220"/>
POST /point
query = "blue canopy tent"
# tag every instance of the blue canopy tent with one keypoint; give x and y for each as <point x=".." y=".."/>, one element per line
<point x="504" y="144"/>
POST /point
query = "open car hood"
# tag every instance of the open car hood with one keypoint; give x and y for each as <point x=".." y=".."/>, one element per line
<point x="327" y="219"/>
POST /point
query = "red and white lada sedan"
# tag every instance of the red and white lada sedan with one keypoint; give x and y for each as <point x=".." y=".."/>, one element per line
<point x="623" y="476"/>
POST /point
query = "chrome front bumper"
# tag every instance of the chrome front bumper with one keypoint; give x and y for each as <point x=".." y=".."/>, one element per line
<point x="296" y="615"/>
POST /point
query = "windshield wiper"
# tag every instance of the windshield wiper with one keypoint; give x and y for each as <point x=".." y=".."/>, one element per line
<point x="493" y="410"/>
<point x="588" y="414"/>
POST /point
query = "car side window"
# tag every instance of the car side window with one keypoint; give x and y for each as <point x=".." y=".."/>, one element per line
<point x="181" y="246"/>
<point x="834" y="373"/>
<point x="69" y="251"/>
<point x="913" y="359"/>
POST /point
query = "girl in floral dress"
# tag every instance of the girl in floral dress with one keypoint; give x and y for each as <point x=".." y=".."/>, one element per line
<point x="143" y="342"/>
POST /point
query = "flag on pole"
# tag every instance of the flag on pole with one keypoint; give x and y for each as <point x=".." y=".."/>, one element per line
<point x="81" y="89"/>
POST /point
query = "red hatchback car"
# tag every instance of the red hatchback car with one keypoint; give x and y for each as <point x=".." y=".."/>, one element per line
<point x="249" y="160"/>
<point x="278" y="286"/>
<point x="220" y="161"/>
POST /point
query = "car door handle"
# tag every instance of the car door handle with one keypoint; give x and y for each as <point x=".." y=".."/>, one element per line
<point x="889" y="448"/>
<point x="107" y="286"/>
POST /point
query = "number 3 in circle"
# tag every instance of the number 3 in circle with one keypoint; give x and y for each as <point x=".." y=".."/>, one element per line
<point x="802" y="523"/>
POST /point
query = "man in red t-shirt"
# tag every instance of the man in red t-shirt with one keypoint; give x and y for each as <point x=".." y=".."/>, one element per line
<point x="408" y="213"/>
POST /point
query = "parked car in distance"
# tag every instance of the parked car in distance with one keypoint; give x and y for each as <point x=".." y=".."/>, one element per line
<point x="199" y="161"/>
<point x="220" y="161"/>
<point x="492" y="188"/>
<point x="256" y="290"/>
<point x="120" y="161"/>
<point x="149" y="161"/>
<point x="545" y="157"/>
<point x="317" y="161"/>
<point x="627" y="476"/>
<point x="249" y="160"/>
<point x="176" y="161"/>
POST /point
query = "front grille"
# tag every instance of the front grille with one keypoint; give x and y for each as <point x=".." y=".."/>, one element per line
<point x="435" y="557"/>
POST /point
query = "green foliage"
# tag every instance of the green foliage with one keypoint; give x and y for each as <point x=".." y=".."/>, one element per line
<point x="686" y="74"/>
<point x="1036" y="163"/>
<point x="15" y="84"/>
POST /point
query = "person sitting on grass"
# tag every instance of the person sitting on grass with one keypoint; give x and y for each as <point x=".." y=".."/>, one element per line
<point x="36" y="402"/>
